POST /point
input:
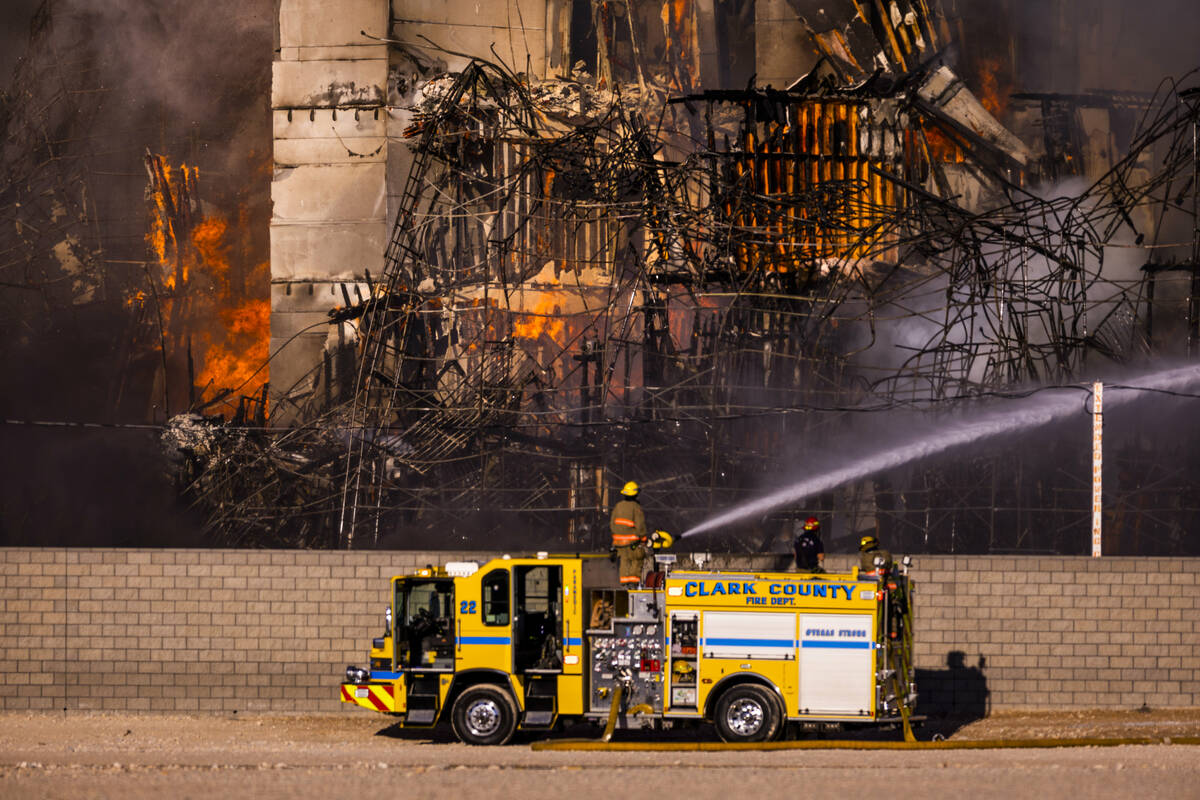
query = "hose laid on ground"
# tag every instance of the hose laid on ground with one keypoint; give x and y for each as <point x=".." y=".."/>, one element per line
<point x="842" y="744"/>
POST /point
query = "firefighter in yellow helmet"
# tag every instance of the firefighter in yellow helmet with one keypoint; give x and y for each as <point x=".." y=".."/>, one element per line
<point x="658" y="540"/>
<point x="868" y="551"/>
<point x="628" y="526"/>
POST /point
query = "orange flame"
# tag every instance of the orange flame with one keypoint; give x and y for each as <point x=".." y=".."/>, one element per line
<point x="238" y="360"/>
<point x="213" y="296"/>
<point x="208" y="236"/>
<point x="679" y="30"/>
<point x="171" y="197"/>
<point x="941" y="148"/>
<point x="992" y="95"/>
<point x="542" y="320"/>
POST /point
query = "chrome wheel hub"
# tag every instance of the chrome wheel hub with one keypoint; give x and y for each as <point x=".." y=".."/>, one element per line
<point x="744" y="717"/>
<point x="483" y="717"/>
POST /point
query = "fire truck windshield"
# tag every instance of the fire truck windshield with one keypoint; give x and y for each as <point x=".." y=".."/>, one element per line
<point x="424" y="629"/>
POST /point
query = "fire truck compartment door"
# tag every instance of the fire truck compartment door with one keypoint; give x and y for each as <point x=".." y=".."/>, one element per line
<point x="748" y="634"/>
<point x="837" y="663"/>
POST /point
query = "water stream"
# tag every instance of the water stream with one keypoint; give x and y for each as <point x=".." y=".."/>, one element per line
<point x="1022" y="415"/>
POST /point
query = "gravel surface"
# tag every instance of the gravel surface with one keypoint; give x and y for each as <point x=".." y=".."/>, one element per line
<point x="107" y="755"/>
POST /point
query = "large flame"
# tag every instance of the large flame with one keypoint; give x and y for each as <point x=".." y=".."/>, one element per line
<point x="211" y="293"/>
<point x="543" y="319"/>
<point x="172" y="197"/>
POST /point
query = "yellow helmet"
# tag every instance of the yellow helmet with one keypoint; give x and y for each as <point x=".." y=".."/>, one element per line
<point x="868" y="543"/>
<point x="629" y="490"/>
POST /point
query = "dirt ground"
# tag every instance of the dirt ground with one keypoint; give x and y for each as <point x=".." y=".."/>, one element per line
<point x="113" y="755"/>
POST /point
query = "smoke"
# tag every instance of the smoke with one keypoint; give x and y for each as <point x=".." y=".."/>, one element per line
<point x="923" y="335"/>
<point x="15" y="16"/>
<point x="105" y="82"/>
<point x="99" y="83"/>
<point x="67" y="487"/>
<point x="201" y="69"/>
<point x="945" y="435"/>
<point x="1071" y="47"/>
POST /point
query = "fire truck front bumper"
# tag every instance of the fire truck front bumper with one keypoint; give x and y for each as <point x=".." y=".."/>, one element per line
<point x="374" y="690"/>
<point x="374" y="696"/>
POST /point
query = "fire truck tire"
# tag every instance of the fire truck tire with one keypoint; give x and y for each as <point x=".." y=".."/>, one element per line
<point x="483" y="715"/>
<point x="781" y="730"/>
<point x="747" y="713"/>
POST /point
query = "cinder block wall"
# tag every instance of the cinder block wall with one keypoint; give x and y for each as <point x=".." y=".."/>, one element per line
<point x="188" y="630"/>
<point x="226" y="630"/>
<point x="1057" y="632"/>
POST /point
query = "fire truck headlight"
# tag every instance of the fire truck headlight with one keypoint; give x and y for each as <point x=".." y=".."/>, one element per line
<point x="356" y="675"/>
<point x="906" y="561"/>
<point x="879" y="562"/>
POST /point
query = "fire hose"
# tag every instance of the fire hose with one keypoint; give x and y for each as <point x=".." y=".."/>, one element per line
<point x="963" y="744"/>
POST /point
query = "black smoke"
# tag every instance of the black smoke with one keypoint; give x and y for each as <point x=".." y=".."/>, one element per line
<point x="88" y="88"/>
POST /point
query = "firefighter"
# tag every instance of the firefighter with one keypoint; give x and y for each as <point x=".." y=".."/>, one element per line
<point x="808" y="547"/>
<point x="868" y="551"/>
<point x="628" y="526"/>
<point x="659" y="540"/>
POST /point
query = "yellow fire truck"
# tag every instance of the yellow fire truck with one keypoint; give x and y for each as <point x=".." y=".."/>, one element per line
<point x="524" y="643"/>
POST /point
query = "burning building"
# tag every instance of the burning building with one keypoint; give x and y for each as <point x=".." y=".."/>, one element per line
<point x="522" y="252"/>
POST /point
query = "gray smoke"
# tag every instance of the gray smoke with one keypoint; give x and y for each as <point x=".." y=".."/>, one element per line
<point x="952" y="433"/>
<point x="1067" y="47"/>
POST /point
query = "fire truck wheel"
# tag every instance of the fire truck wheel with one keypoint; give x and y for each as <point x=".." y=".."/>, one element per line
<point x="747" y="713"/>
<point x="484" y="714"/>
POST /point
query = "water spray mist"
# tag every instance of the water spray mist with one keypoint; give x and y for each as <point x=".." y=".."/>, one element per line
<point x="1029" y="413"/>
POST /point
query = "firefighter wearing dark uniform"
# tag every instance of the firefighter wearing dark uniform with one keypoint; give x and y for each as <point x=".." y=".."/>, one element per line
<point x="808" y="547"/>
<point x="628" y="526"/>
<point x="868" y="551"/>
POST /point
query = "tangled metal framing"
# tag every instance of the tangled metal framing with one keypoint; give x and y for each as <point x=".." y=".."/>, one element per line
<point x="685" y="293"/>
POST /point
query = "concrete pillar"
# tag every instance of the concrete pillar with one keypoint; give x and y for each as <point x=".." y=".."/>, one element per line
<point x="337" y="176"/>
<point x="329" y="225"/>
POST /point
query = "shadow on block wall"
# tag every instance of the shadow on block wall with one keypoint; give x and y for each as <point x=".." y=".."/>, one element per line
<point x="955" y="696"/>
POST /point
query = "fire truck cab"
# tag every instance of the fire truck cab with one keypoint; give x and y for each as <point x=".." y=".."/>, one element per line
<point x="524" y="643"/>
